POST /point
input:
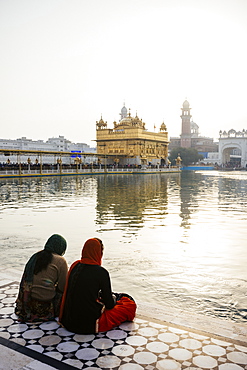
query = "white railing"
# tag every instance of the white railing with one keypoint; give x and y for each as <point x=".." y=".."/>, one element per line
<point x="86" y="170"/>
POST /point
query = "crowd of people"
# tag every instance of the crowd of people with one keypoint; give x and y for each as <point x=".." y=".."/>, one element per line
<point x="80" y="297"/>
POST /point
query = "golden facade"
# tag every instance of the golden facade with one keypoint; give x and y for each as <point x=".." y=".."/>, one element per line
<point x="129" y="143"/>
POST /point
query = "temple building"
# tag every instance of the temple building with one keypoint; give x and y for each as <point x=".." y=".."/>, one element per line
<point x="190" y="137"/>
<point x="129" y="143"/>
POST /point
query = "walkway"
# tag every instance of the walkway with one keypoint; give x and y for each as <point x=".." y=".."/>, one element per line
<point x="159" y="338"/>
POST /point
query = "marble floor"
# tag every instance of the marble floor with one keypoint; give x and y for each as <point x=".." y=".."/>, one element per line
<point x="143" y="344"/>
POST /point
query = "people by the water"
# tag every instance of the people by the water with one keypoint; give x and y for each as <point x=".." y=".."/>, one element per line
<point x="88" y="304"/>
<point x="43" y="281"/>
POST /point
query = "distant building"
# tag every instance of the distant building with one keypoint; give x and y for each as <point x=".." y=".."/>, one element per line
<point x="129" y="143"/>
<point x="190" y="137"/>
<point x="59" y="144"/>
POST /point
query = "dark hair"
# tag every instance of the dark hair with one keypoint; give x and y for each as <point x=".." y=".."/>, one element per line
<point x="44" y="258"/>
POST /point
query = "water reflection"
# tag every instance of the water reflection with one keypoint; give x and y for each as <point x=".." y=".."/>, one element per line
<point x="130" y="200"/>
<point x="168" y="237"/>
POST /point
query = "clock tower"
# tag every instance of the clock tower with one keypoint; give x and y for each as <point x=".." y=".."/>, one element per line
<point x="186" y="126"/>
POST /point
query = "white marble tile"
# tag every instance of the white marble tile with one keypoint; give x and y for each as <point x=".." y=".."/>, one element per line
<point x="157" y="347"/>
<point x="4" y="335"/>
<point x="220" y="342"/>
<point x="64" y="332"/>
<point x="123" y="350"/>
<point x="58" y="356"/>
<point x="9" y="300"/>
<point x="148" y="332"/>
<point x="83" y="337"/>
<point x="67" y="347"/>
<point x="20" y="341"/>
<point x="238" y="357"/>
<point x="168" y="365"/>
<point x="17" y="328"/>
<point x="205" y="362"/>
<point x="180" y="354"/>
<point x="190" y="343"/>
<point x="6" y="322"/>
<point x="116" y="334"/>
<point x="136" y="340"/>
<point x="75" y="363"/>
<point x="145" y="358"/>
<point x="177" y="330"/>
<point x="49" y="325"/>
<point x="108" y="362"/>
<point x="130" y="366"/>
<point x="33" y="334"/>
<point x="6" y="310"/>
<point x="102" y="343"/>
<point x="230" y="367"/>
<point x="197" y="336"/>
<point x="87" y="354"/>
<point x="168" y="337"/>
<point x="241" y="348"/>
<point x="214" y="350"/>
<point x="129" y="326"/>
<point x="36" y="347"/>
<point x="50" y="340"/>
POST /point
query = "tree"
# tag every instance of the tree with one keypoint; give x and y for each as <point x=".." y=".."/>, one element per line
<point x="188" y="156"/>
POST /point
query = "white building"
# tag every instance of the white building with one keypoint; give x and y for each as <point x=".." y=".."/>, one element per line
<point x="56" y="144"/>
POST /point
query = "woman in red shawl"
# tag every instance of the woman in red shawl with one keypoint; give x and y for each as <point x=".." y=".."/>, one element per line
<point x="88" y="304"/>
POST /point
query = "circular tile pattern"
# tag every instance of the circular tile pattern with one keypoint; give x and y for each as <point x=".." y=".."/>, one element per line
<point x="177" y="330"/>
<point x="50" y="340"/>
<point x="214" y="350"/>
<point x="20" y="341"/>
<point x="33" y="334"/>
<point x="168" y="337"/>
<point x="116" y="334"/>
<point x="190" y="344"/>
<point x="197" y="336"/>
<point x="6" y="322"/>
<point x="205" y="362"/>
<point x="157" y="347"/>
<point x="107" y="362"/>
<point x="220" y="342"/>
<point x="148" y="332"/>
<point x="9" y="300"/>
<point x="168" y="365"/>
<point x="238" y="357"/>
<point x="131" y="367"/>
<point x="64" y="333"/>
<point x="83" y="337"/>
<point x="17" y="328"/>
<point x="4" y="335"/>
<point x="241" y="348"/>
<point x="136" y="340"/>
<point x="123" y="350"/>
<point x="230" y="367"/>
<point x="180" y="354"/>
<point x="67" y="347"/>
<point x="129" y="326"/>
<point x="58" y="356"/>
<point x="36" y="347"/>
<point x="87" y="354"/>
<point x="49" y="325"/>
<point x="102" y="343"/>
<point x="145" y="358"/>
<point x="6" y="310"/>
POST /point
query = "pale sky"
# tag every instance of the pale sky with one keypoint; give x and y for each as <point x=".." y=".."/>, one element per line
<point x="65" y="62"/>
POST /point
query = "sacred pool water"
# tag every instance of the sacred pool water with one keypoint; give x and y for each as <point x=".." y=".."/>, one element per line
<point x="177" y="239"/>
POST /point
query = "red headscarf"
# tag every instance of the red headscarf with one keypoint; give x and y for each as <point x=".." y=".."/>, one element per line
<point x="92" y="252"/>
